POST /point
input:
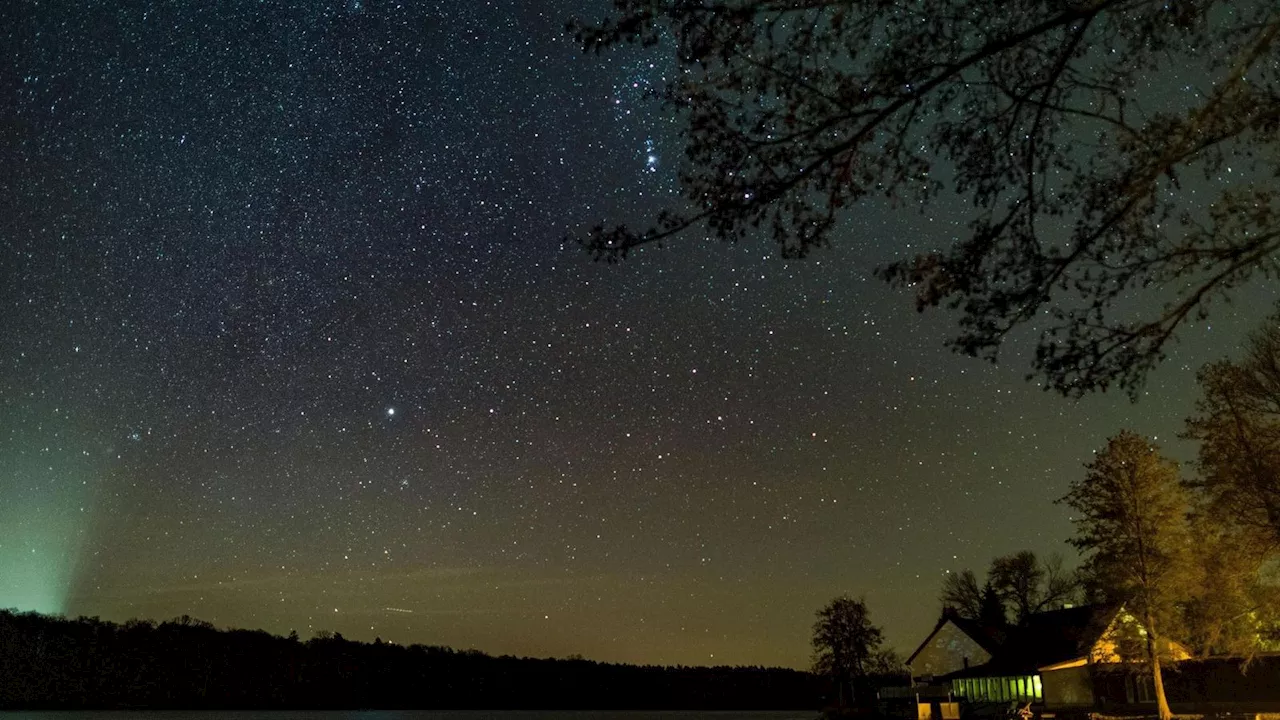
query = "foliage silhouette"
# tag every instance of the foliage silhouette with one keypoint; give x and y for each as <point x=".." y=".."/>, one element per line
<point x="1089" y="182"/>
<point x="1028" y="585"/>
<point x="992" y="612"/>
<point x="961" y="593"/>
<point x="1237" y="423"/>
<point x="847" y="650"/>
<point x="1020" y="583"/>
<point x="88" y="663"/>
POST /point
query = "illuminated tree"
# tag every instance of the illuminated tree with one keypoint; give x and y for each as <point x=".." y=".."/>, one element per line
<point x="1233" y="608"/>
<point x="846" y="647"/>
<point x="1090" y="181"/>
<point x="1131" y="524"/>
<point x="1237" y="423"/>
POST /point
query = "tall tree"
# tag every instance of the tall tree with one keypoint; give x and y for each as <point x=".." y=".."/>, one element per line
<point x="1089" y="182"/>
<point x="1021" y="583"/>
<point x="846" y="647"/>
<point x="1061" y="583"/>
<point x="1028" y="585"/>
<point x="960" y="592"/>
<point x="1234" y="609"/>
<point x="1237" y="423"/>
<point x="1018" y="578"/>
<point x="992" y="613"/>
<point x="1131" y="523"/>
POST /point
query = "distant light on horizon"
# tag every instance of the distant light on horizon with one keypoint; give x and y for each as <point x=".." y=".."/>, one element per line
<point x="224" y="261"/>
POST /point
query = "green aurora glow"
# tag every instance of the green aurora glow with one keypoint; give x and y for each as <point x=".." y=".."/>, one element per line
<point x="42" y="520"/>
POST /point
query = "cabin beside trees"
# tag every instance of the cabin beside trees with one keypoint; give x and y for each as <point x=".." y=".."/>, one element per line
<point x="1064" y="659"/>
<point x="1067" y="662"/>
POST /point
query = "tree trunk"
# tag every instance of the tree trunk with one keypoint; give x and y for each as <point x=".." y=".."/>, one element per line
<point x="1153" y="654"/>
<point x="1162" y="703"/>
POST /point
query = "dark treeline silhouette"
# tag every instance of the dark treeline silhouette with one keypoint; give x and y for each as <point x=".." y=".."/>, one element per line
<point x="55" y="663"/>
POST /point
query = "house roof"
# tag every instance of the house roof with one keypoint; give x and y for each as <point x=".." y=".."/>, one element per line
<point x="989" y="639"/>
<point x="1045" y="638"/>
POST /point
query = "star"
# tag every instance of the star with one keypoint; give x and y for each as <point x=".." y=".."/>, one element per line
<point x="245" y="271"/>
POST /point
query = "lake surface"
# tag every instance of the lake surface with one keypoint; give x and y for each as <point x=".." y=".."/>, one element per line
<point x="417" y="715"/>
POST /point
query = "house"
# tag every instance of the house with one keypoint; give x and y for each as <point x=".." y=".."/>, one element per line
<point x="1212" y="686"/>
<point x="1049" y="659"/>
<point x="1100" y="682"/>
<point x="1073" y="681"/>
<point x="956" y="643"/>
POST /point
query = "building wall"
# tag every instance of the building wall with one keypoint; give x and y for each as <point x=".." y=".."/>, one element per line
<point x="1218" y="680"/>
<point x="1217" y="685"/>
<point x="1067" y="688"/>
<point x="946" y="652"/>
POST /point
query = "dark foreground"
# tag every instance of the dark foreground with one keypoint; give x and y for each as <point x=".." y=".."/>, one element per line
<point x="57" y="664"/>
<point x="415" y="715"/>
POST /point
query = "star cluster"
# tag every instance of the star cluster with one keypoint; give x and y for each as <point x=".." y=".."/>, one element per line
<point x="290" y="340"/>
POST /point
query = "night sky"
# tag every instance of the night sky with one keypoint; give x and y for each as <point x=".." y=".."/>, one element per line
<point x="289" y="339"/>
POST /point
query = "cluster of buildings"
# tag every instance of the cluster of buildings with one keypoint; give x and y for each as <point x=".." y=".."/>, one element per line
<point x="1065" y="662"/>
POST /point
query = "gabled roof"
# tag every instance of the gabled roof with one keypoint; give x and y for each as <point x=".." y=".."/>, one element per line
<point x="1046" y="638"/>
<point x="988" y="639"/>
<point x="1043" y="639"/>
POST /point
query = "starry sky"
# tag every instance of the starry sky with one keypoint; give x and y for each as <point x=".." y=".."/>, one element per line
<point x="289" y="339"/>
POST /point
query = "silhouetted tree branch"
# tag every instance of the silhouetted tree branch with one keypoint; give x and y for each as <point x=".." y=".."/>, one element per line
<point x="1080" y="184"/>
<point x="847" y="649"/>
<point x="1237" y="423"/>
<point x="1020" y="582"/>
<point x="961" y="592"/>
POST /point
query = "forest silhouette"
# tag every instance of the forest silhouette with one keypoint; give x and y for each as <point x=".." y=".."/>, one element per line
<point x="88" y="663"/>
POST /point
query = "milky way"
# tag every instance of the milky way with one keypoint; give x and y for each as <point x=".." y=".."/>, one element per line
<point x="291" y="341"/>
